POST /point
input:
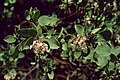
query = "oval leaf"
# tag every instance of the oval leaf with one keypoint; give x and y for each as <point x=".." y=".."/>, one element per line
<point x="44" y="20"/>
<point x="27" y="32"/>
<point x="103" y="50"/>
<point x="79" y="29"/>
<point x="54" y="20"/>
<point x="21" y="55"/>
<point x="53" y="43"/>
<point x="95" y="30"/>
<point x="13" y="72"/>
<point x="10" y="39"/>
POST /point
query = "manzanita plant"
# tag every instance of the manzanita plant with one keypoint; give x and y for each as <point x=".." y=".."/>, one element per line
<point x="94" y="39"/>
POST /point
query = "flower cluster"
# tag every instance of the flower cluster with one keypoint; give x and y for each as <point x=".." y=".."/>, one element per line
<point x="39" y="46"/>
<point x="9" y="76"/>
<point x="79" y="41"/>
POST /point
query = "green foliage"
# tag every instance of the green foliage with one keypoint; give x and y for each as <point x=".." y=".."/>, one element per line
<point x="93" y="38"/>
<point x="48" y="21"/>
<point x="10" y="39"/>
<point x="53" y="43"/>
<point x="77" y="55"/>
<point x="33" y="13"/>
<point x="103" y="50"/>
<point x="8" y="12"/>
<point x="79" y="29"/>
<point x="44" y="20"/>
<point x="51" y="75"/>
<point x="27" y="32"/>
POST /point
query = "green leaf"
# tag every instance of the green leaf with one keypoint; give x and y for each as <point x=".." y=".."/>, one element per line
<point x="118" y="66"/>
<point x="77" y="54"/>
<point x="90" y="0"/>
<point x="103" y="50"/>
<point x="44" y="28"/>
<point x="31" y="11"/>
<point x="39" y="31"/>
<point x="12" y="1"/>
<point x="51" y="63"/>
<point x="101" y="39"/>
<point x="28" y="42"/>
<point x="11" y="59"/>
<point x="27" y="32"/>
<point x="53" y="43"/>
<point x="102" y="61"/>
<point x="95" y="30"/>
<point x="42" y="78"/>
<point x="21" y="45"/>
<point x="109" y="26"/>
<point x="51" y="75"/>
<point x="13" y="72"/>
<point x="50" y="31"/>
<point x="27" y="15"/>
<point x="36" y="15"/>
<point x="12" y="48"/>
<point x="44" y="20"/>
<point x="64" y="54"/>
<point x="1" y="55"/>
<point x="25" y="44"/>
<point x="111" y="66"/>
<point x="115" y="51"/>
<point x="6" y="2"/>
<point x="63" y="41"/>
<point x="64" y="46"/>
<point x="54" y="20"/>
<point x="89" y="28"/>
<point x="15" y="54"/>
<point x="90" y="55"/>
<point x="21" y="55"/>
<point x="37" y="28"/>
<point x="10" y="39"/>
<point x="79" y="29"/>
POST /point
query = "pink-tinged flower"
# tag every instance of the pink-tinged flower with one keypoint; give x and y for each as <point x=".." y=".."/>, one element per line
<point x="79" y="42"/>
<point x="39" y="47"/>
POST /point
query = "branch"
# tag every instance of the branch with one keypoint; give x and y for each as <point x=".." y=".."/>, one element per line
<point x="26" y="74"/>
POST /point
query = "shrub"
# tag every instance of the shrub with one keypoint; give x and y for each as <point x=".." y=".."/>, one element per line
<point x="83" y="39"/>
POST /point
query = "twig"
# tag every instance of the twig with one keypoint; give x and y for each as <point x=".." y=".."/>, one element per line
<point x="25" y="75"/>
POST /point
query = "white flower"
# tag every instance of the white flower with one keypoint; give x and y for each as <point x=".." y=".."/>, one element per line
<point x="80" y="42"/>
<point x="39" y="47"/>
<point x="7" y="77"/>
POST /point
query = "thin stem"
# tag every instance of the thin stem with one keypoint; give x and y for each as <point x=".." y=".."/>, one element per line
<point x="30" y="72"/>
